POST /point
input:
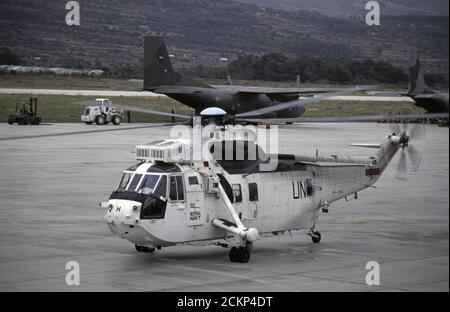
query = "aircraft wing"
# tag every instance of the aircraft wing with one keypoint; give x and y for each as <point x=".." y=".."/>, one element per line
<point x="179" y="89"/>
<point x="385" y="93"/>
<point x="274" y="91"/>
<point x="431" y="95"/>
<point x="332" y="119"/>
<point x="243" y="90"/>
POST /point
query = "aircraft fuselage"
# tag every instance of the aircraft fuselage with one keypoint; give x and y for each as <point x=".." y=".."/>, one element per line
<point x="234" y="103"/>
<point x="435" y="103"/>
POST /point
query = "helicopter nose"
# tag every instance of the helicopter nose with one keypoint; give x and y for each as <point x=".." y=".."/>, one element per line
<point x="122" y="212"/>
<point x="123" y="220"/>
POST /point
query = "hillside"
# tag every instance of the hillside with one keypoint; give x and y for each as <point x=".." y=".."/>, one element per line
<point x="201" y="31"/>
<point x="346" y="8"/>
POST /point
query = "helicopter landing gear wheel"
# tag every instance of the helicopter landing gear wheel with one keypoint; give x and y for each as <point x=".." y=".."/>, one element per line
<point x="144" y="249"/>
<point x="233" y="254"/>
<point x="316" y="237"/>
<point x="239" y="254"/>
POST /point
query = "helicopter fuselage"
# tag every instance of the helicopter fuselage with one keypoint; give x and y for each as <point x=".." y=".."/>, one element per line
<point x="289" y="198"/>
<point x="168" y="198"/>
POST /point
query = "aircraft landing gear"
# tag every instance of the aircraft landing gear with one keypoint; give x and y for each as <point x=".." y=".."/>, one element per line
<point x="240" y="254"/>
<point x="144" y="249"/>
<point x="315" y="236"/>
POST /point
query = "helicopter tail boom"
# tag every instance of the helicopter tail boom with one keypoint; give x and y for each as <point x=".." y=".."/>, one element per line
<point x="387" y="151"/>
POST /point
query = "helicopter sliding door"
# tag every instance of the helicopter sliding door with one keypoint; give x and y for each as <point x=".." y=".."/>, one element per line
<point x="195" y="208"/>
<point x="251" y="194"/>
<point x="176" y="191"/>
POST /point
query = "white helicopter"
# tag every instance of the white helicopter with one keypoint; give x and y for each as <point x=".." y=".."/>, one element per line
<point x="168" y="198"/>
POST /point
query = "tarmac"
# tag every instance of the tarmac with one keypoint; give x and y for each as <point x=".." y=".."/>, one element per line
<point x="51" y="187"/>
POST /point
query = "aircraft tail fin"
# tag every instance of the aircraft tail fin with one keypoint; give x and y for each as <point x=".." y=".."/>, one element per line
<point x="416" y="79"/>
<point x="158" y="70"/>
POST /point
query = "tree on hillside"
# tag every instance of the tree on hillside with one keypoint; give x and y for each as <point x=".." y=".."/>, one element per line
<point x="7" y="57"/>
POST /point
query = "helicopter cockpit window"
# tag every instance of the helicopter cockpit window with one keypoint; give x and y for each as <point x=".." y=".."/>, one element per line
<point x="173" y="189"/>
<point x="155" y="208"/>
<point x="161" y="189"/>
<point x="124" y="181"/>
<point x="237" y="191"/>
<point x="133" y="168"/>
<point x="253" y="191"/>
<point x="180" y="188"/>
<point x="134" y="182"/>
<point x="309" y="187"/>
<point x="176" y="188"/>
<point x="148" y="184"/>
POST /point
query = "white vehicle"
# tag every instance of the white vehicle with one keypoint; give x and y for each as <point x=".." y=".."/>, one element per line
<point x="102" y="112"/>
<point x="167" y="199"/>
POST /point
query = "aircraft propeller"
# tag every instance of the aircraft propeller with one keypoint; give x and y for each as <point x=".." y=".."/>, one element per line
<point x="299" y="103"/>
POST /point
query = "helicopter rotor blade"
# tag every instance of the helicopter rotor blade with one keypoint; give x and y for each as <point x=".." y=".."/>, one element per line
<point x="356" y="118"/>
<point x="404" y="127"/>
<point x="300" y="102"/>
<point x="410" y="158"/>
<point x="49" y="135"/>
<point x="415" y="157"/>
<point x="395" y="128"/>
<point x="151" y="111"/>
<point x="417" y="131"/>
<point x="402" y="167"/>
<point x="83" y="103"/>
<point x="130" y="108"/>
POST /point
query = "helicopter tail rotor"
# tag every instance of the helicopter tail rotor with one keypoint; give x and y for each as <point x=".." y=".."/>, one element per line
<point x="410" y="157"/>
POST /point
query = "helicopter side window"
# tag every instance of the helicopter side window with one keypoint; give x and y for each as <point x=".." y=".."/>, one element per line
<point x="176" y="188"/>
<point x="180" y="188"/>
<point x="156" y="207"/>
<point x="148" y="184"/>
<point x="134" y="183"/>
<point x="193" y="181"/>
<point x="253" y="191"/>
<point x="173" y="189"/>
<point x="237" y="191"/>
<point x="161" y="189"/>
<point x="124" y="181"/>
<point x="309" y="188"/>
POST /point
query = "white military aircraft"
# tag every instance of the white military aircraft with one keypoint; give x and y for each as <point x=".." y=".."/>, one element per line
<point x="168" y="198"/>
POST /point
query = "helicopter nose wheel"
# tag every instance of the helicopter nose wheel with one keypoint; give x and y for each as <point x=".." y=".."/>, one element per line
<point x="240" y="254"/>
<point x="315" y="237"/>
